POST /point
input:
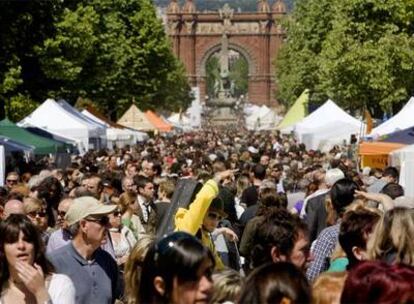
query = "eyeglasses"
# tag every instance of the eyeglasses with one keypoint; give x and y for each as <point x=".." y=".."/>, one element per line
<point x="215" y="216"/>
<point x="37" y="213"/>
<point x="12" y="181"/>
<point x="61" y="213"/>
<point x="117" y="213"/>
<point x="103" y="221"/>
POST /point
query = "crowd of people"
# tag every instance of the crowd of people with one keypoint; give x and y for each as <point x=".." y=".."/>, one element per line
<point x="222" y="216"/>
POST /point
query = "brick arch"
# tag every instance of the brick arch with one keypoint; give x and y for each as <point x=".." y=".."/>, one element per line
<point x="255" y="35"/>
<point x="245" y="52"/>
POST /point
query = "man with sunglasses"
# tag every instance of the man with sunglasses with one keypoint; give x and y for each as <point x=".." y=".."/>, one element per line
<point x="92" y="270"/>
<point x="12" y="179"/>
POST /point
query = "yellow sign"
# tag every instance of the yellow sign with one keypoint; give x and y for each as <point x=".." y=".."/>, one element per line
<point x="375" y="161"/>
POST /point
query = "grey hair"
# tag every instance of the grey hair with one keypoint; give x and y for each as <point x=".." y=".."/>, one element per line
<point x="74" y="229"/>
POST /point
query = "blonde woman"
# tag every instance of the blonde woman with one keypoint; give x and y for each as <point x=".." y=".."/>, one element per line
<point x="133" y="266"/>
<point x="129" y="219"/>
<point x="35" y="210"/>
<point x="227" y="286"/>
<point x="392" y="240"/>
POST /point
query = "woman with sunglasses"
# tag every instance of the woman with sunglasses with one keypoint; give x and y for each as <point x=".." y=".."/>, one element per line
<point x="35" y="210"/>
<point x="26" y="276"/>
<point x="122" y="237"/>
<point x="176" y="269"/>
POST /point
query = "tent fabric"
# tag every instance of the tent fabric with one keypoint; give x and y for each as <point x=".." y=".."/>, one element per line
<point x="94" y="114"/>
<point x="116" y="134"/>
<point x="261" y="118"/>
<point x="180" y="121"/>
<point x="399" y="156"/>
<point x="400" y="121"/>
<point x="41" y="145"/>
<point x="376" y="154"/>
<point x="328" y="135"/>
<point x="51" y="117"/>
<point x="297" y="112"/>
<point x="404" y="159"/>
<point x="134" y="118"/>
<point x="96" y="130"/>
<point x="323" y="120"/>
<point x="11" y="145"/>
<point x="158" y="122"/>
<point x="375" y="148"/>
<point x="405" y="136"/>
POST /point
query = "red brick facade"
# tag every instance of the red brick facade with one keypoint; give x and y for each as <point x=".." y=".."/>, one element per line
<point x="257" y="36"/>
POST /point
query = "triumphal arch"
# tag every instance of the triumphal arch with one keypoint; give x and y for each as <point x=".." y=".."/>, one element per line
<point x="257" y="36"/>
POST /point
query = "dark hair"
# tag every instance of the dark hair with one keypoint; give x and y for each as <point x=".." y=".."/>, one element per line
<point x="393" y="190"/>
<point x="342" y="194"/>
<point x="50" y="190"/>
<point x="269" y="199"/>
<point x="278" y="228"/>
<point x="379" y="282"/>
<point x="391" y="171"/>
<point x="177" y="255"/>
<point x="9" y="233"/>
<point x="355" y="227"/>
<point x="272" y="282"/>
<point x="140" y="181"/>
<point x="259" y="171"/>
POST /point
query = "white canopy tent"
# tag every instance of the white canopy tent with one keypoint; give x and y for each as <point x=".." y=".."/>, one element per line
<point x="404" y="159"/>
<point x="325" y="137"/>
<point x="97" y="131"/>
<point x="117" y="136"/>
<point x="261" y="118"/>
<point x="328" y="125"/>
<point x="401" y="120"/>
<point x="180" y="121"/>
<point x="51" y="117"/>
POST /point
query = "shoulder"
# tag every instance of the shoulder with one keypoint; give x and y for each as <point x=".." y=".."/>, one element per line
<point x="105" y="257"/>
<point x="59" y="253"/>
<point x="60" y="280"/>
<point x="330" y="232"/>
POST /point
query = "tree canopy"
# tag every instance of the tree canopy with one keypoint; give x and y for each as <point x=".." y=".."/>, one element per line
<point x="106" y="51"/>
<point x="356" y="52"/>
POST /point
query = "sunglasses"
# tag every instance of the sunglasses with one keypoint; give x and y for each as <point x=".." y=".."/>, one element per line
<point x="103" y="221"/>
<point x="61" y="213"/>
<point x="14" y="181"/>
<point x="215" y="216"/>
<point x="37" y="213"/>
<point x="117" y="213"/>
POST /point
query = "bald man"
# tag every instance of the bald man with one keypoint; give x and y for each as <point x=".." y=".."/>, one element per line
<point x="12" y="207"/>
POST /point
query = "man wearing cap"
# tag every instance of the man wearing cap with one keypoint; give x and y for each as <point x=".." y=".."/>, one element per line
<point x="93" y="271"/>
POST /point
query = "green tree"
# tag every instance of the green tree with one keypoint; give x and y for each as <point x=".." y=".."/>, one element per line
<point x="112" y="52"/>
<point x="357" y="52"/>
<point x="213" y="74"/>
<point x="239" y="73"/>
<point x="23" y="27"/>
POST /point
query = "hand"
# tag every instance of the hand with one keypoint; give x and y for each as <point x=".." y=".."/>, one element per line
<point x="229" y="234"/>
<point x="34" y="280"/>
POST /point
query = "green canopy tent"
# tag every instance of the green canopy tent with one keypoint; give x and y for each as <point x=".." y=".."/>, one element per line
<point x="297" y="112"/>
<point x="42" y="145"/>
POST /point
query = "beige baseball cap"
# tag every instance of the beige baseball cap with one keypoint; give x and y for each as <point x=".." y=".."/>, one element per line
<point x="85" y="206"/>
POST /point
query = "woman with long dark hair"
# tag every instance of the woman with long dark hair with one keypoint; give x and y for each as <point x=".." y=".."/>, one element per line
<point x="177" y="269"/>
<point x="26" y="276"/>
